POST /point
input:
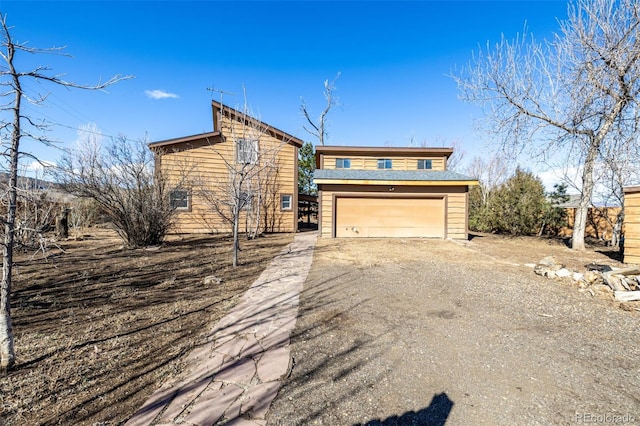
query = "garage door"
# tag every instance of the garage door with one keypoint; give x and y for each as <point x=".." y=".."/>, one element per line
<point x="390" y="217"/>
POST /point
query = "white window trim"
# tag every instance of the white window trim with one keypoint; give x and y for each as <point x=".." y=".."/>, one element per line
<point x="282" y="198"/>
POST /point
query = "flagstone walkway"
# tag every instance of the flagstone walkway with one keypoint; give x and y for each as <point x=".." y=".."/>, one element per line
<point x="235" y="375"/>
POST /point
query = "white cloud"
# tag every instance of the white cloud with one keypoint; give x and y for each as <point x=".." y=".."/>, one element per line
<point x="569" y="175"/>
<point x="160" y="94"/>
<point x="36" y="169"/>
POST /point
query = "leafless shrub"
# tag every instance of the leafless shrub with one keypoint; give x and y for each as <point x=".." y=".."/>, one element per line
<point x="120" y="177"/>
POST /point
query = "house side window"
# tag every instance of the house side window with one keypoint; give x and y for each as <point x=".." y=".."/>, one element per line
<point x="286" y="202"/>
<point x="424" y="164"/>
<point x="245" y="199"/>
<point x="180" y="199"/>
<point x="343" y="163"/>
<point x="247" y="151"/>
<point x="385" y="163"/>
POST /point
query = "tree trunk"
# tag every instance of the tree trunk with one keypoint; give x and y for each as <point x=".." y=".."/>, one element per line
<point x="580" y="221"/>
<point x="617" y="229"/>
<point x="7" y="351"/>
<point x="236" y="242"/>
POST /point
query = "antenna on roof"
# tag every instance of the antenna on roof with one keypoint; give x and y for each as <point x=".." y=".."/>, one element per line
<point x="222" y="92"/>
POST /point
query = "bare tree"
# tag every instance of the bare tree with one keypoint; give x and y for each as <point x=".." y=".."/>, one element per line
<point x="121" y="178"/>
<point x="565" y="96"/>
<point x="618" y="168"/>
<point x="15" y="127"/>
<point x="491" y="173"/>
<point x="251" y="188"/>
<point x="454" y="162"/>
<point x="36" y="206"/>
<point x="319" y="126"/>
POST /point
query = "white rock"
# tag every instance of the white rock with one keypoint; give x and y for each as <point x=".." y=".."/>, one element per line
<point x="212" y="279"/>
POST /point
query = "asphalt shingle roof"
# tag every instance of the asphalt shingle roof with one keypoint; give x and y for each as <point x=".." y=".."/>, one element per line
<point x="394" y="175"/>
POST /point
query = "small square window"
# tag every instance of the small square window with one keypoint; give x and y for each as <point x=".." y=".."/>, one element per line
<point x="286" y="202"/>
<point x="180" y="199"/>
<point x="385" y="163"/>
<point x="343" y="163"/>
<point x="424" y="164"/>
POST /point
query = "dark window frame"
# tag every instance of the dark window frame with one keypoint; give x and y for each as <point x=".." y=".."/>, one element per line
<point x="424" y="163"/>
<point x="185" y="198"/>
<point x="385" y="163"/>
<point x="343" y="163"/>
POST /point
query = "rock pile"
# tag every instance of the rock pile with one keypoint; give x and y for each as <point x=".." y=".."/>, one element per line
<point x="601" y="279"/>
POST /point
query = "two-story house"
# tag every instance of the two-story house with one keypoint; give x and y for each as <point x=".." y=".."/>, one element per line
<point x="390" y="192"/>
<point x="243" y="161"/>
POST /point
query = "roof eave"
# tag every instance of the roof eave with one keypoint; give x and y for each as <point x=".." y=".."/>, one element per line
<point x="324" y="181"/>
<point x="370" y="150"/>
<point x="176" y="141"/>
<point x="280" y="134"/>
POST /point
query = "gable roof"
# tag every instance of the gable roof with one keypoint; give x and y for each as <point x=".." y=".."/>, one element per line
<point x="217" y="135"/>
<point x="234" y="114"/>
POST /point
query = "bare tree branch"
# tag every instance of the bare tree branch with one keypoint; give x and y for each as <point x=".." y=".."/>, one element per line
<point x="567" y="95"/>
<point x="13" y="129"/>
<point x="319" y="126"/>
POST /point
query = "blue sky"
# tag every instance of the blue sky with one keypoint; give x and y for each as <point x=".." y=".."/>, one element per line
<point x="394" y="59"/>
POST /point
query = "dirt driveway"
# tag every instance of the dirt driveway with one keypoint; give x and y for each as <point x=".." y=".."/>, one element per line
<point x="417" y="332"/>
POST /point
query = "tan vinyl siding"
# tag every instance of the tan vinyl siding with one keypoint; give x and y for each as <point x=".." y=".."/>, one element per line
<point x="457" y="216"/>
<point x="206" y="162"/>
<point x="371" y="162"/>
<point x="632" y="227"/>
<point x="326" y="214"/>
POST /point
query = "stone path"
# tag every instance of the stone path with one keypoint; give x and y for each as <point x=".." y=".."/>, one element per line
<point x="235" y="375"/>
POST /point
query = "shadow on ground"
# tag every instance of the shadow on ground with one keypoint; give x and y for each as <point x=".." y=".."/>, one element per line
<point x="435" y="414"/>
<point x="98" y="328"/>
<point x="339" y="368"/>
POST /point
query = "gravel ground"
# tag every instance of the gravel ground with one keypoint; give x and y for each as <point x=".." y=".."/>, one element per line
<point x="418" y="332"/>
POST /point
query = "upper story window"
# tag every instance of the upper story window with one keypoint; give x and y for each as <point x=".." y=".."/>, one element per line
<point x="424" y="164"/>
<point x="247" y="151"/>
<point x="343" y="163"/>
<point x="385" y="163"/>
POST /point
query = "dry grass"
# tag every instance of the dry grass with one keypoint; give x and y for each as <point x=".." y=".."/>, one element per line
<point x="99" y="328"/>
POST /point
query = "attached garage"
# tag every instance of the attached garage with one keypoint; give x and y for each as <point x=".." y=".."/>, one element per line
<point x="388" y="192"/>
<point x="362" y="217"/>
